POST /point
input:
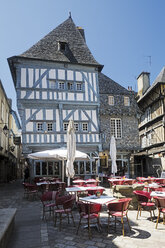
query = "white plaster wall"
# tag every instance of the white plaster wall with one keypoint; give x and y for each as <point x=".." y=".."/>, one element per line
<point x="30" y="77"/>
<point x="23" y="77"/>
<point x="49" y="114"/>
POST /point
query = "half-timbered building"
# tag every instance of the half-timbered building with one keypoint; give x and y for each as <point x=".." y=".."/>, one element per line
<point x="151" y="101"/>
<point x="57" y="80"/>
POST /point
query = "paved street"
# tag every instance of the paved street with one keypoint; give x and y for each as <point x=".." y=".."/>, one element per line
<point x="31" y="231"/>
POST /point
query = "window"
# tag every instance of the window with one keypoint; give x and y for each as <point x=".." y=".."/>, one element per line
<point x="70" y="86"/>
<point x="111" y="100"/>
<point x="61" y="85"/>
<point x="49" y="127"/>
<point x="85" y="126"/>
<point x="126" y="101"/>
<point x="76" y="127"/>
<point x="65" y="126"/>
<point x="148" y="114"/>
<point x="62" y="46"/>
<point x="52" y="84"/>
<point x="39" y="127"/>
<point x="2" y="111"/>
<point x="116" y="128"/>
<point x="79" y="86"/>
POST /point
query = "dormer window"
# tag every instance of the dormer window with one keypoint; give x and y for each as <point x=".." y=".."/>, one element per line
<point x="62" y="46"/>
<point x="126" y="101"/>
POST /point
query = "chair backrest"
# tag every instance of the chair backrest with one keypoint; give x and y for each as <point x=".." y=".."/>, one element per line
<point x="68" y="204"/>
<point x="49" y="195"/>
<point x="120" y="205"/>
<point x="160" y="201"/>
<point x="61" y="199"/>
<point x="142" y="196"/>
<point x="89" y="208"/>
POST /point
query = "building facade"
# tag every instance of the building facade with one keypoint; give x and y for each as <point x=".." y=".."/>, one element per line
<point x="151" y="101"/>
<point x="118" y="117"/>
<point x="56" y="80"/>
<point x="9" y="131"/>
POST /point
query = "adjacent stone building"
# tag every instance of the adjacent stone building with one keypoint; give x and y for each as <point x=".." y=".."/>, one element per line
<point x="119" y="117"/>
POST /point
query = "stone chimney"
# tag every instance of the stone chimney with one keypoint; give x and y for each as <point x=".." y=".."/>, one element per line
<point x="143" y="82"/>
<point x="81" y="30"/>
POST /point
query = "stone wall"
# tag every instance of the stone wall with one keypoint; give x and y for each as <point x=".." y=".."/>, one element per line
<point x="122" y="191"/>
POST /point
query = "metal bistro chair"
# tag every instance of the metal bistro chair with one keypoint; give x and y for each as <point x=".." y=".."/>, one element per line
<point x="65" y="211"/>
<point x="88" y="212"/>
<point x="119" y="209"/>
<point x="144" y="202"/>
<point x="48" y="200"/>
<point x="160" y="202"/>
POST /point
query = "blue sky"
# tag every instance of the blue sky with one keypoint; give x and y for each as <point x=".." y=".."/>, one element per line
<point x="122" y="34"/>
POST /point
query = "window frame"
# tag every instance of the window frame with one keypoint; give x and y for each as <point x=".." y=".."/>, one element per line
<point x="117" y="133"/>
<point x="111" y="101"/>
<point x="38" y="128"/>
<point x="86" y="129"/>
<point x="77" y="88"/>
<point x="126" y="101"/>
<point x="47" y="125"/>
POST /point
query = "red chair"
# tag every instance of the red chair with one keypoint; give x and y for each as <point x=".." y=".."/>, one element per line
<point x="119" y="210"/>
<point x="66" y="210"/>
<point x="48" y="200"/>
<point x="144" y="202"/>
<point x="160" y="202"/>
<point x="88" y="212"/>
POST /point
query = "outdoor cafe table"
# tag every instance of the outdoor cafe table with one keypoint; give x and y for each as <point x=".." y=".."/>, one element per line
<point x="122" y="180"/>
<point x="82" y="189"/>
<point x="157" y="193"/>
<point x="103" y="199"/>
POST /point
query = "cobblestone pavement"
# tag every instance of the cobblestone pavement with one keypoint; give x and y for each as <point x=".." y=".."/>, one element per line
<point x="31" y="231"/>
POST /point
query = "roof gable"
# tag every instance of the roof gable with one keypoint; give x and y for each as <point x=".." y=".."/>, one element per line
<point x="76" y="50"/>
<point x="108" y="86"/>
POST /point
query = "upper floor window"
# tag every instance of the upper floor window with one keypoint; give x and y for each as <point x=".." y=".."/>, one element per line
<point x="61" y="85"/>
<point x="52" y="84"/>
<point x="39" y="126"/>
<point x="79" y="86"/>
<point x="70" y="86"/>
<point x="111" y="100"/>
<point x="116" y="128"/>
<point x="126" y="101"/>
<point x="49" y="127"/>
<point x="85" y="126"/>
<point x="62" y="46"/>
<point x="2" y="111"/>
<point x="65" y="126"/>
<point x="148" y="114"/>
<point x="76" y="126"/>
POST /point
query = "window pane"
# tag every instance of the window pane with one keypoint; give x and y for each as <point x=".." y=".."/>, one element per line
<point x="76" y="168"/>
<point x="65" y="126"/>
<point x="88" y="169"/>
<point x="56" y="168"/>
<point x="113" y="128"/>
<point x="85" y="126"/>
<point x="93" y="167"/>
<point x="38" y="172"/>
<point x="82" y="167"/>
<point x="70" y="86"/>
<point x="49" y="127"/>
<point x="44" y="168"/>
<point x="52" y="84"/>
<point x="111" y="100"/>
<point x="50" y="168"/>
<point x="79" y="86"/>
<point x="126" y="101"/>
<point x="39" y="127"/>
<point x="76" y="127"/>
<point x="61" y="85"/>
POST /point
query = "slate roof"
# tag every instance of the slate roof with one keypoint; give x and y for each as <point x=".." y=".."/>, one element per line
<point x="76" y="49"/>
<point x="160" y="79"/>
<point x="108" y="86"/>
